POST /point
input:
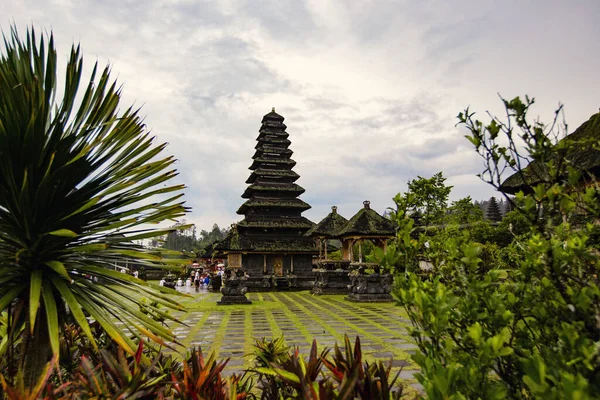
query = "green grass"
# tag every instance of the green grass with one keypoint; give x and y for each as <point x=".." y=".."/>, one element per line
<point x="297" y="315"/>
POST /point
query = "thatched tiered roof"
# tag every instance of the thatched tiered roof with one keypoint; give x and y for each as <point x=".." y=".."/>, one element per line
<point x="272" y="212"/>
<point x="368" y="223"/>
<point x="329" y="226"/>
<point x="582" y="152"/>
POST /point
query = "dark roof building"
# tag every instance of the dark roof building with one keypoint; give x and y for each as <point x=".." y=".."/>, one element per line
<point x="580" y="148"/>
<point x="271" y="240"/>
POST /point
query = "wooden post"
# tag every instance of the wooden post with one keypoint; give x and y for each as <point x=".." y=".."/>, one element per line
<point x="320" y="245"/>
<point x="326" y="249"/>
<point x="292" y="263"/>
<point x="360" y="251"/>
<point x="264" y="263"/>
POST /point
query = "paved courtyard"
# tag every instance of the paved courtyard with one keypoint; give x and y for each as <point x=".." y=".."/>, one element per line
<point x="230" y="331"/>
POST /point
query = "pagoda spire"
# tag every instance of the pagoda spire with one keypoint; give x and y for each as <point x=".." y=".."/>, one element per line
<point x="270" y="241"/>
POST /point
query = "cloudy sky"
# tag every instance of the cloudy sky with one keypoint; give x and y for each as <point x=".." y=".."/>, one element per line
<point x="369" y="89"/>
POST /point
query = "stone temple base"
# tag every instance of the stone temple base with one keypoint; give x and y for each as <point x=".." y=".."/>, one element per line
<point x="369" y="297"/>
<point x="234" y="299"/>
<point x="331" y="282"/>
<point x="264" y="283"/>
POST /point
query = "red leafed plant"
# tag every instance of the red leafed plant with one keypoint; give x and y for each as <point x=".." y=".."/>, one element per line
<point x="202" y="379"/>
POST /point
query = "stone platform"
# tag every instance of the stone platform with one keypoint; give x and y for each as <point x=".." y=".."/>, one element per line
<point x="234" y="299"/>
<point x="331" y="282"/>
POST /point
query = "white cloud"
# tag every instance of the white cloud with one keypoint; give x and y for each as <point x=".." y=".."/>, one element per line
<point x="369" y="89"/>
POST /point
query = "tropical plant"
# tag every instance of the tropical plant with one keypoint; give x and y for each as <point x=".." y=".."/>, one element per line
<point x="530" y="331"/>
<point x="80" y="181"/>
<point x="348" y="377"/>
<point x="120" y="377"/>
<point x="202" y="379"/>
<point x="363" y="380"/>
<point x="267" y="351"/>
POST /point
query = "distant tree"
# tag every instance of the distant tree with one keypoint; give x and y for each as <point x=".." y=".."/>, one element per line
<point x="493" y="211"/>
<point x="207" y="238"/>
<point x="464" y="211"/>
<point x="428" y="199"/>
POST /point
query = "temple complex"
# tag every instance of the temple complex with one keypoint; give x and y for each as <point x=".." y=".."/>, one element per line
<point x="269" y="243"/>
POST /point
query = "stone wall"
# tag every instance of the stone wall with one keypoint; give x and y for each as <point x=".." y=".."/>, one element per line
<point x="253" y="264"/>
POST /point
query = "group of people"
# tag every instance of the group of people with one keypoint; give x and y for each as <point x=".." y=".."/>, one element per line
<point x="198" y="279"/>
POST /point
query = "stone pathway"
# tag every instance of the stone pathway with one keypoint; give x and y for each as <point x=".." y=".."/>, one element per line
<point x="231" y="331"/>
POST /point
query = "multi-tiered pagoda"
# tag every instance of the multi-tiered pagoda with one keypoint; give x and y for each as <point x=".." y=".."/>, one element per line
<point x="269" y="243"/>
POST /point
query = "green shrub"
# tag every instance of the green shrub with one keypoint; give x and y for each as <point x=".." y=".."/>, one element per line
<point x="521" y="322"/>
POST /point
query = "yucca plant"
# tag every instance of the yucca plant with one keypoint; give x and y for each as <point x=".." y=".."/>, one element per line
<point x="296" y="377"/>
<point x="267" y="351"/>
<point x="80" y="181"/>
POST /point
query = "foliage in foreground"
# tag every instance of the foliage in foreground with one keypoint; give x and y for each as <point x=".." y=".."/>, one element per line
<point x="529" y="329"/>
<point x="79" y="182"/>
<point x="278" y="373"/>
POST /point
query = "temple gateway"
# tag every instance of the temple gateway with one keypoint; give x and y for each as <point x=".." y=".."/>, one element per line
<point x="270" y="242"/>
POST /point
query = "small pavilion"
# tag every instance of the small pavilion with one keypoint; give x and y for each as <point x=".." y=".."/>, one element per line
<point x="366" y="224"/>
<point x="327" y="230"/>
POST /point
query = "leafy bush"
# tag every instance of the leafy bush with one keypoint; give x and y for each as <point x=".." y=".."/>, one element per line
<point x="531" y="331"/>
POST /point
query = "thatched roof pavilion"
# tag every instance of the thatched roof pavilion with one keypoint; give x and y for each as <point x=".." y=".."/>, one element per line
<point x="327" y="229"/>
<point x="581" y="150"/>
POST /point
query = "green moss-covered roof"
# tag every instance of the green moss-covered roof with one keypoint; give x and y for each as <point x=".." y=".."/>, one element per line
<point x="269" y="148"/>
<point x="367" y="222"/>
<point x="273" y="222"/>
<point x="273" y="203"/>
<point x="288" y="175"/>
<point x="208" y="251"/>
<point x="284" y="163"/>
<point x="299" y="223"/>
<point x="272" y="116"/>
<point x="235" y="241"/>
<point x="279" y="141"/>
<point x="272" y="153"/>
<point x="273" y="137"/>
<point x="274" y="189"/>
<point x="582" y="152"/>
<point x="329" y="226"/>
<point x="272" y="124"/>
